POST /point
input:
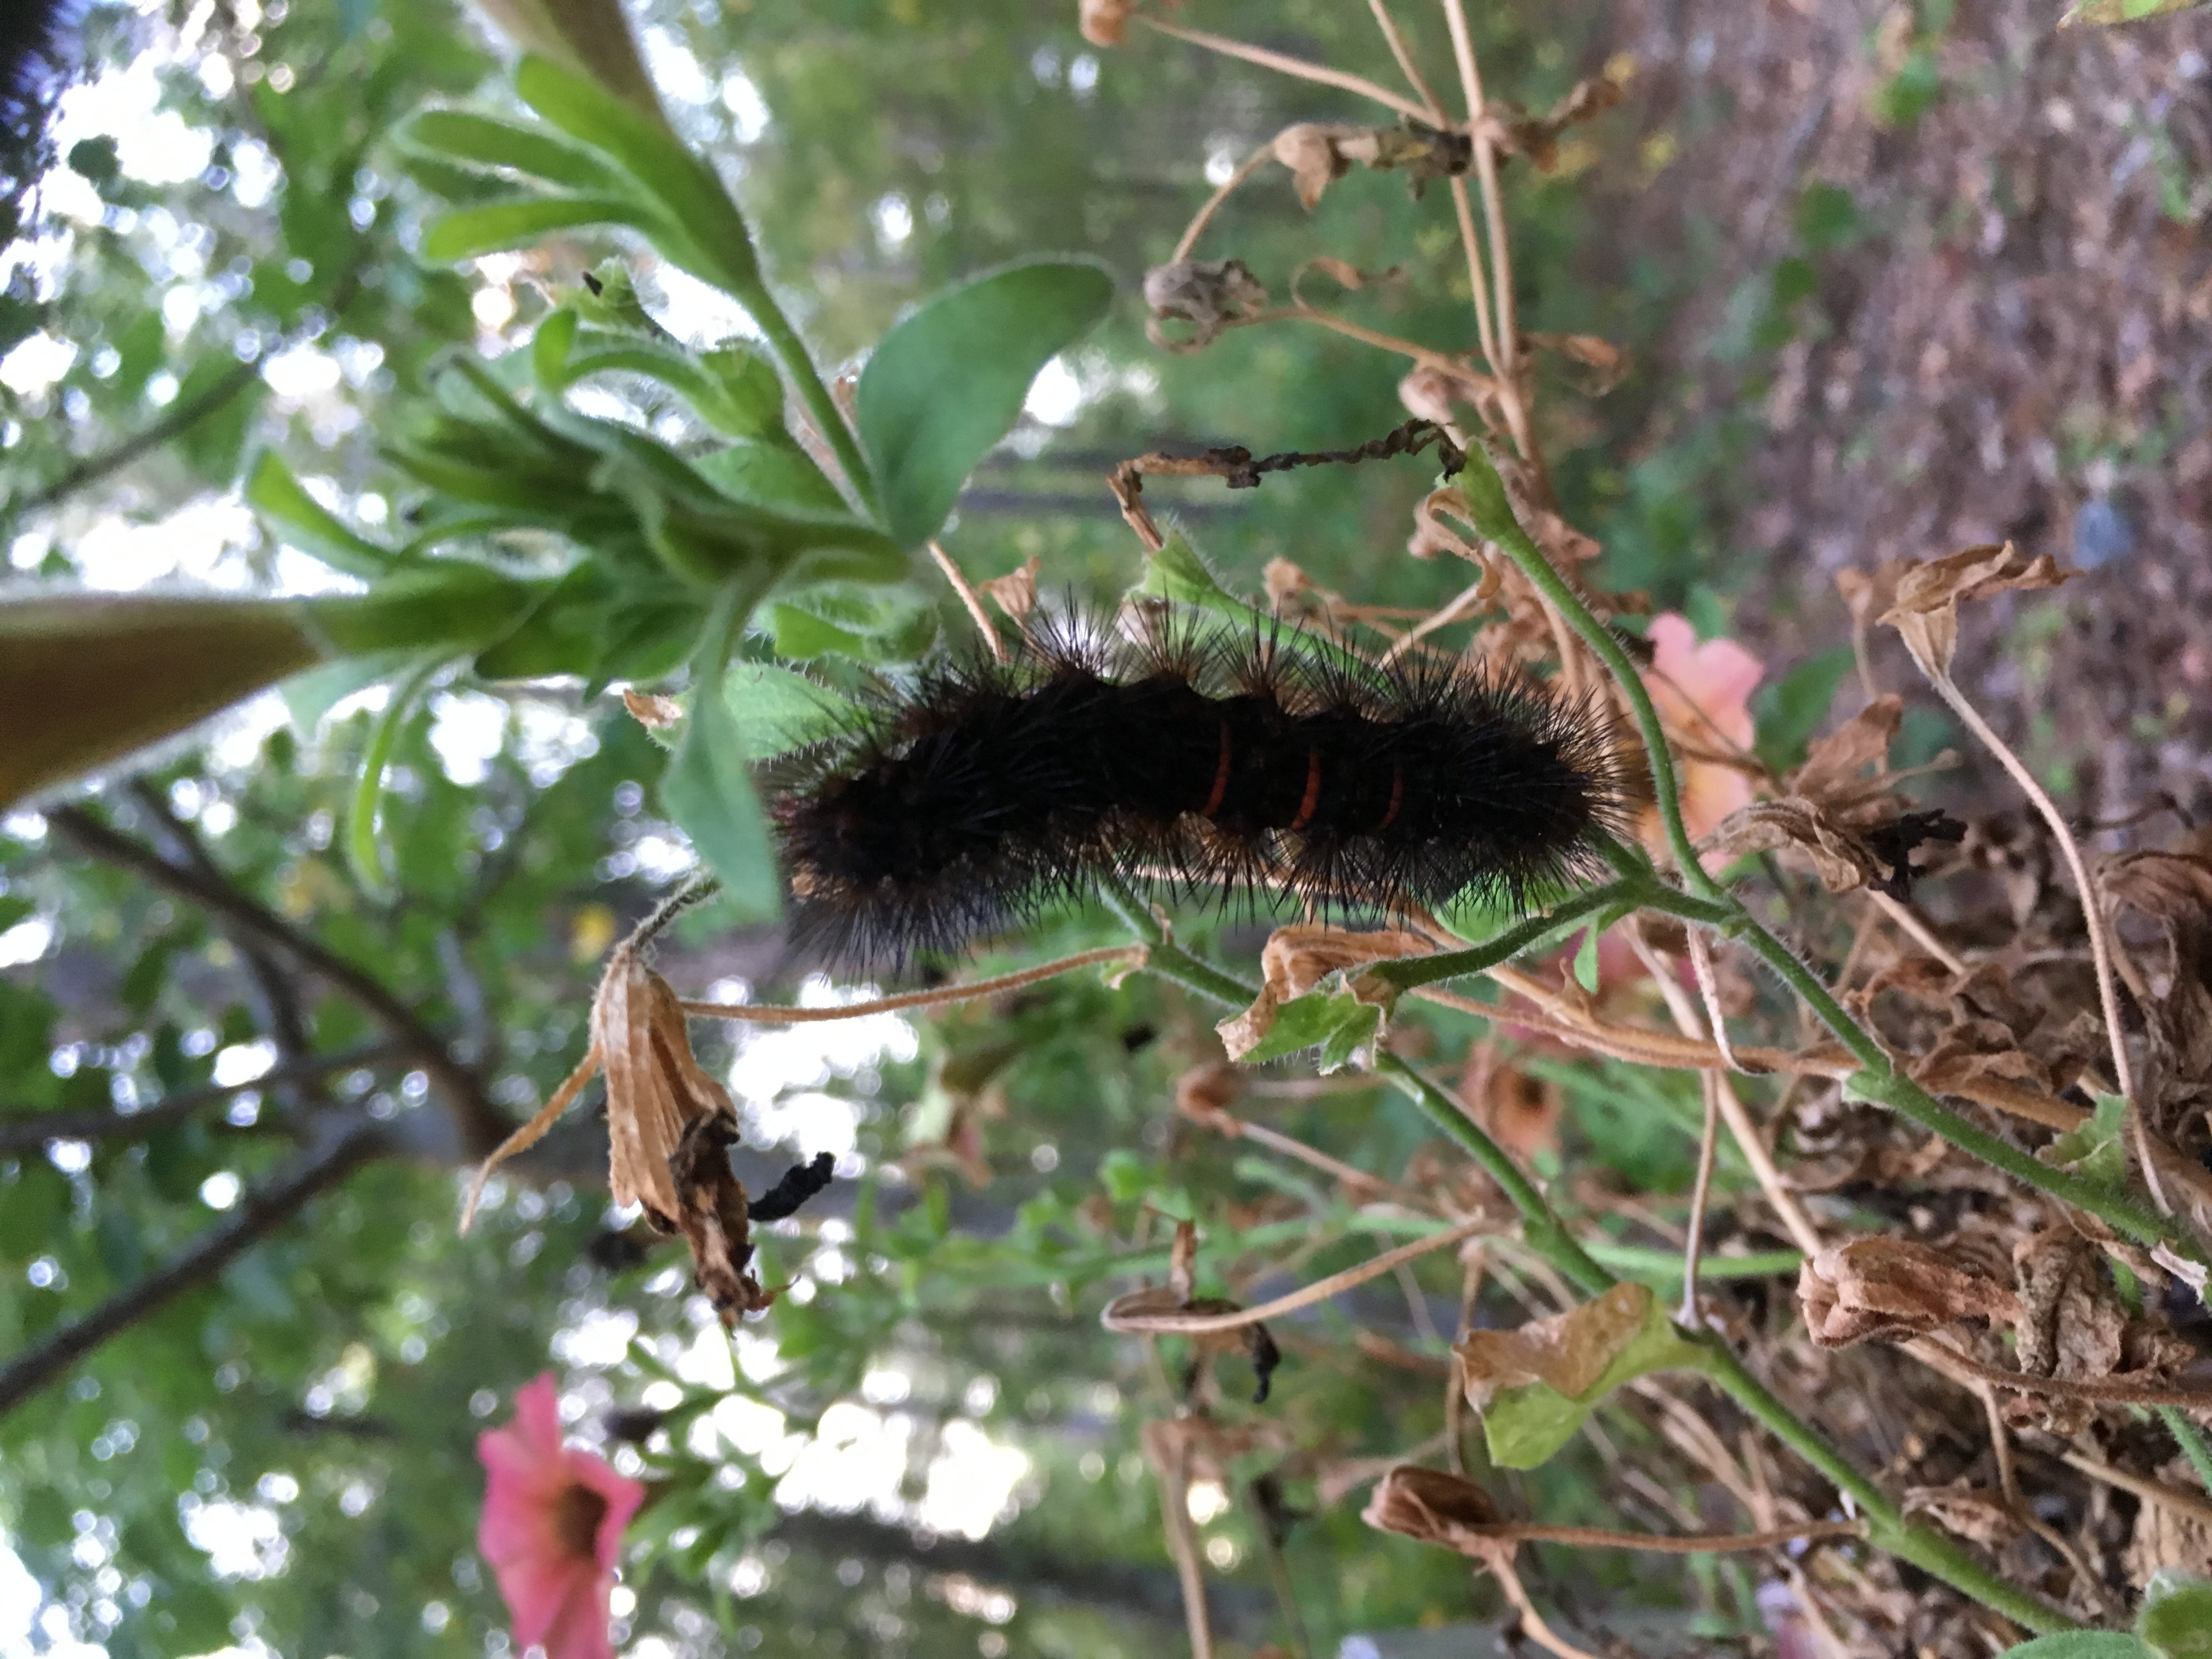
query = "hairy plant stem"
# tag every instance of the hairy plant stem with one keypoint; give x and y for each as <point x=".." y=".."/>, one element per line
<point x="1545" y="1233"/>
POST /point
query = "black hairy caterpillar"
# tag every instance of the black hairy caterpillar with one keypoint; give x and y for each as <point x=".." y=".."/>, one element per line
<point x="992" y="789"/>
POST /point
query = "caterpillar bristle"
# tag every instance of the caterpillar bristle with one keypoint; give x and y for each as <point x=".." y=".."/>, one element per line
<point x="989" y="791"/>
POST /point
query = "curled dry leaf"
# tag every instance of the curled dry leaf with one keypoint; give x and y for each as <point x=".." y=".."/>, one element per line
<point x="1892" y="1288"/>
<point x="1317" y="155"/>
<point x="1016" y="592"/>
<point x="1925" y="611"/>
<point x="653" y="713"/>
<point x="1879" y="856"/>
<point x="1296" y="959"/>
<point x="1210" y="294"/>
<point x="1568" y="1352"/>
<point x="1436" y="1507"/>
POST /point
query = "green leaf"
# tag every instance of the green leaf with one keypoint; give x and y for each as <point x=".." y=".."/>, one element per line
<point x="2095" y="1149"/>
<point x="2175" y="1620"/>
<point x="1335" y="1021"/>
<point x="1789" y="711"/>
<point x="498" y="225"/>
<point x="2082" y="1644"/>
<point x="482" y="141"/>
<point x="2109" y="12"/>
<point x="947" y="382"/>
<point x="778" y="711"/>
<point x="876" y="625"/>
<point x="1525" y="1426"/>
<point x="708" y="791"/>
<point x="1586" y="958"/>
<point x="299" y="518"/>
<point x="697" y="226"/>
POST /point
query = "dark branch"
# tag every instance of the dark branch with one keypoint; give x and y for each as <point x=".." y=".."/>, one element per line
<point x="346" y="1143"/>
<point x="482" y="1124"/>
<point x="22" y="1128"/>
<point x="180" y="419"/>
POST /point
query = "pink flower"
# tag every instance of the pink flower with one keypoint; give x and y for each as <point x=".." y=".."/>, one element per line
<point x="1703" y="693"/>
<point x="552" y="1527"/>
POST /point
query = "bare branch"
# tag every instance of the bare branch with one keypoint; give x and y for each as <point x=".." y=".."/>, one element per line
<point x="346" y="1143"/>
<point x="481" y="1123"/>
<point x="21" y="1129"/>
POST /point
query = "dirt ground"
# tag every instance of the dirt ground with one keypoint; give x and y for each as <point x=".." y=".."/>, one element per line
<point x="2018" y="344"/>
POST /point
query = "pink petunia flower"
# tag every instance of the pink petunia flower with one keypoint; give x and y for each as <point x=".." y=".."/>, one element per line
<point x="1703" y="693"/>
<point x="552" y="1527"/>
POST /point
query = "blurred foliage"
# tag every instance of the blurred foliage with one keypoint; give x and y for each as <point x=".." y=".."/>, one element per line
<point x="262" y="332"/>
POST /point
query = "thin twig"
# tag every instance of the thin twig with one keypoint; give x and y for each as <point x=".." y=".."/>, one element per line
<point x="1191" y="1324"/>
<point x="969" y="597"/>
<point x="770" y="1014"/>
<point x="21" y="1129"/>
<point x="1407" y="66"/>
<point x="1699" y="1543"/>
<point x="1204" y="217"/>
<point x="260" y="1212"/>
<point x="2165" y="1496"/>
<point x="2096" y="1391"/>
<point x="1694" y="1235"/>
<point x="1283" y="63"/>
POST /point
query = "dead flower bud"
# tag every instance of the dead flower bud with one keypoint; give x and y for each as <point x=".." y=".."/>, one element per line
<point x="1925" y="612"/>
<point x="1104" y="23"/>
<point x="653" y="713"/>
<point x="1203" y="1094"/>
<point x="1210" y="294"/>
<point x="1436" y="1507"/>
<point x="1890" y="1288"/>
<point x="668" y="1129"/>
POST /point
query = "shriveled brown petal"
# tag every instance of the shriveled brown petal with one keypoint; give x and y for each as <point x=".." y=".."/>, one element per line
<point x="2167" y="887"/>
<point x="1834" y="773"/>
<point x="1893" y="1287"/>
<point x="1838" y="855"/>
<point x="1297" y="958"/>
<point x="1434" y="1508"/>
<point x="1208" y="294"/>
<point x="1203" y="1093"/>
<point x="1570" y="1351"/>
<point x="1925" y="611"/>
<point x="1310" y="151"/>
<point x="712" y="1216"/>
<point x="655" y="1088"/>
<point x="1980" y="1517"/>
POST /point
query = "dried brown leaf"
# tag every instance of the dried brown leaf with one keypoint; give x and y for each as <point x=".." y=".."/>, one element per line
<point x="653" y="713"/>
<point x="1890" y="1288"/>
<point x="1834" y="772"/>
<point x="1839" y="855"/>
<point x="1297" y="958"/>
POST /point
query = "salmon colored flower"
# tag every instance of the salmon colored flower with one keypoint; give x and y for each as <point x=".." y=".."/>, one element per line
<point x="552" y="1527"/>
<point x="1703" y="693"/>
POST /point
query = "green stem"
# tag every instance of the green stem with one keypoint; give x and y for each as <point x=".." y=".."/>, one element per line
<point x="1492" y="514"/>
<point x="1886" y="1526"/>
<point x="791" y="351"/>
<point x="1546" y="1234"/>
<point x="2191" y="1440"/>
<point x="1407" y="972"/>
